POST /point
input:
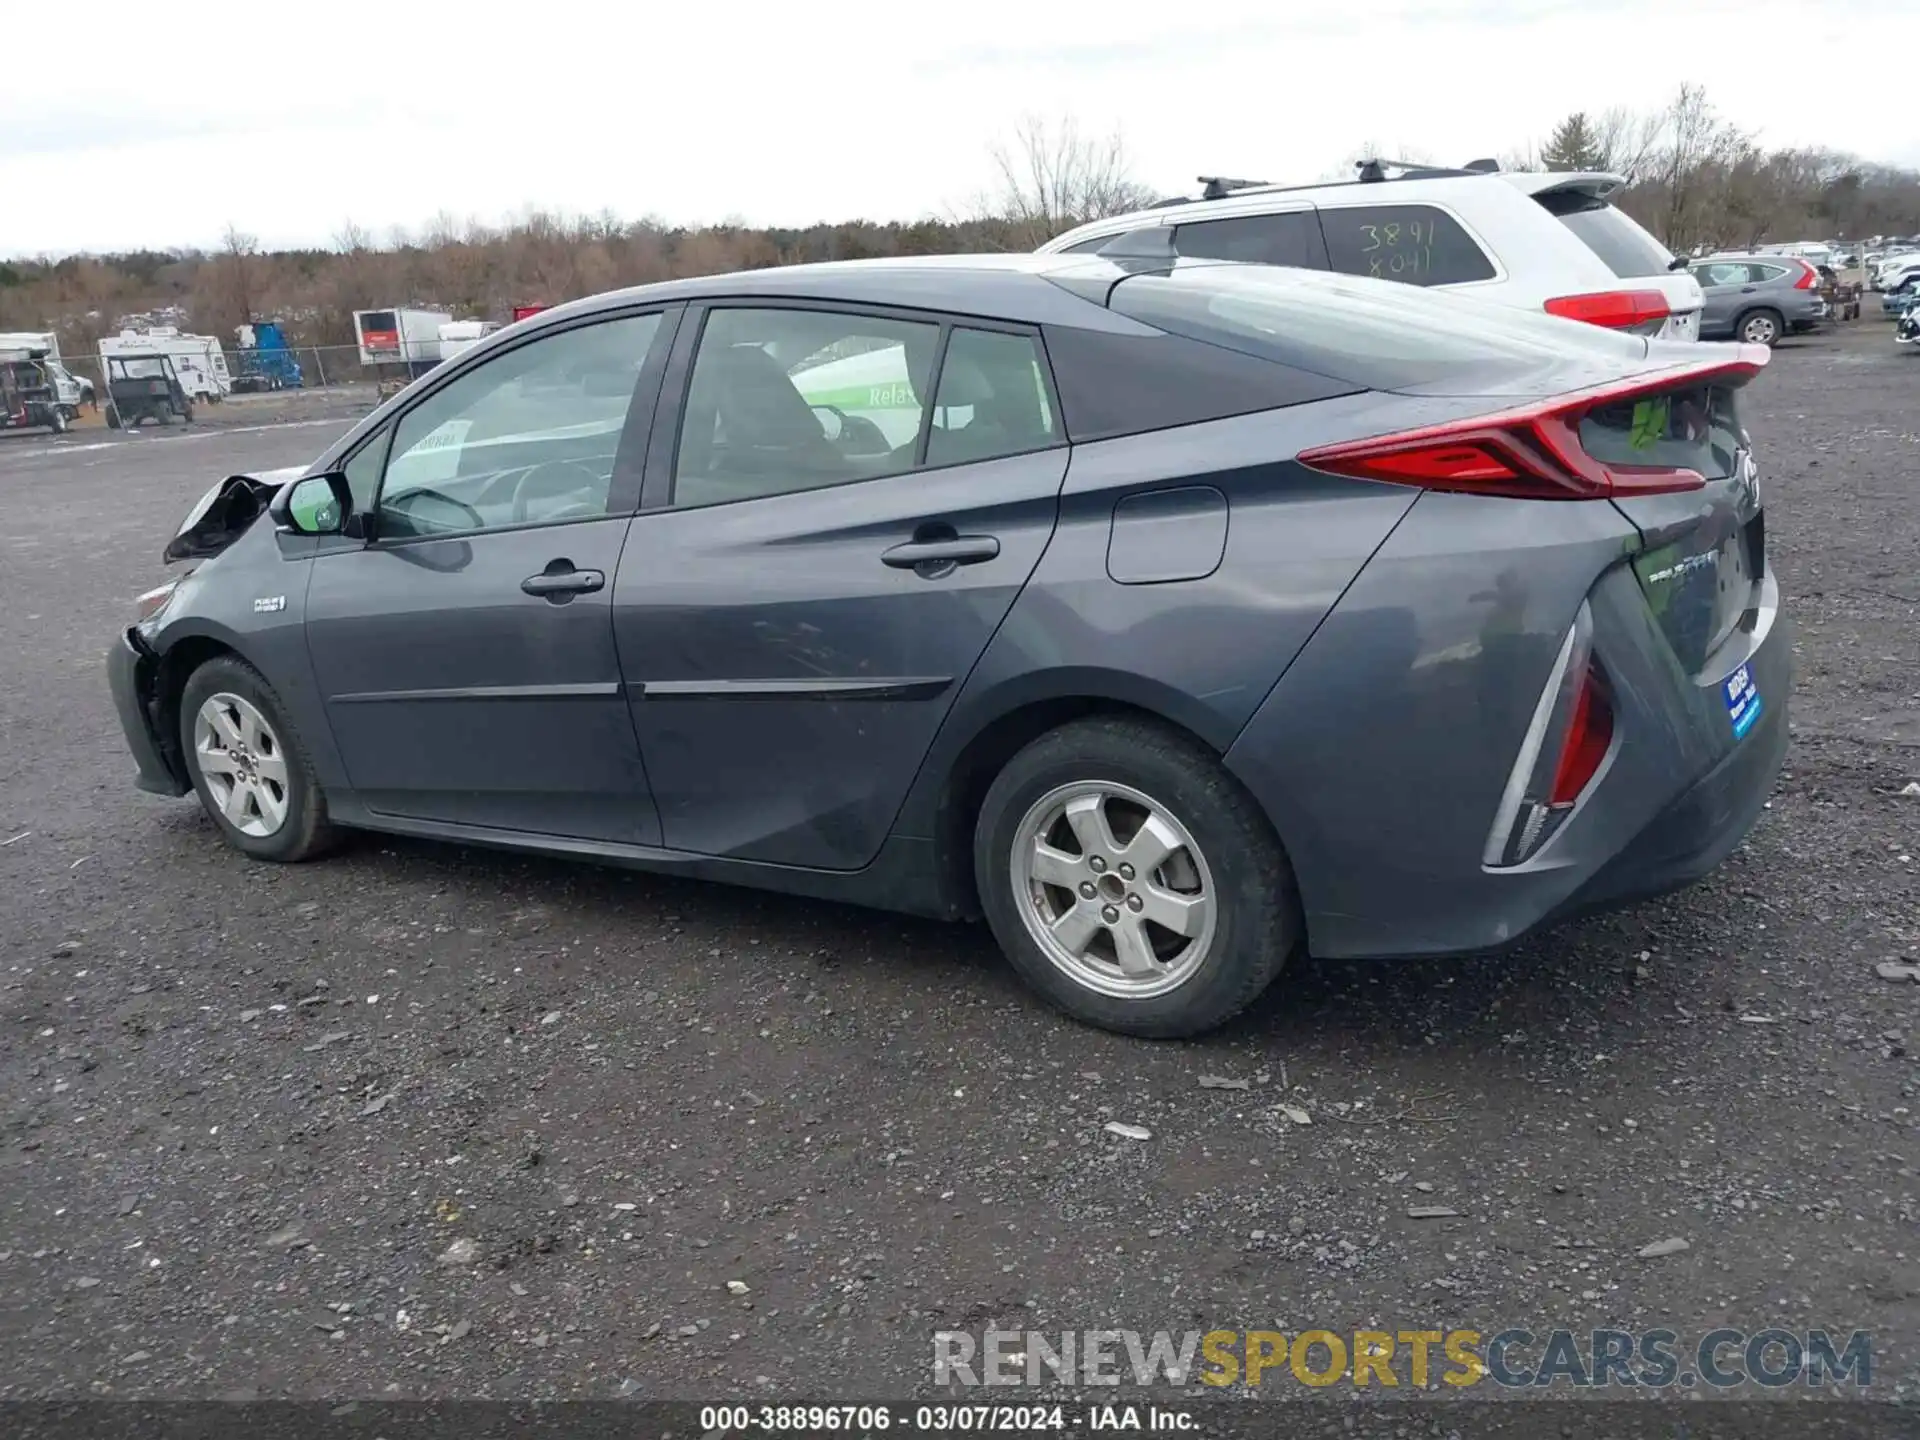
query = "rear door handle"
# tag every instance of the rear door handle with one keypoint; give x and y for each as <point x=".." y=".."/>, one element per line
<point x="560" y="582"/>
<point x="960" y="550"/>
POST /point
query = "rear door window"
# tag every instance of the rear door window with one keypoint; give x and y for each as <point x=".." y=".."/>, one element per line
<point x="1722" y="272"/>
<point x="1610" y="233"/>
<point x="1416" y="244"/>
<point x="795" y="399"/>
<point x="1289" y="238"/>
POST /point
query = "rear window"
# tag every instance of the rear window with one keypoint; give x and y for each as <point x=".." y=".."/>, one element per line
<point x="1353" y="330"/>
<point x="1692" y="429"/>
<point x="1612" y="234"/>
<point x="1415" y="244"/>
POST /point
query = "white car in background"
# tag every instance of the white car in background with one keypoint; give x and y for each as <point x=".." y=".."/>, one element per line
<point x="1898" y="271"/>
<point x="1549" y="241"/>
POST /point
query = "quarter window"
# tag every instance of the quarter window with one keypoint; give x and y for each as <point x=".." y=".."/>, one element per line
<point x="528" y="437"/>
<point x="1417" y="244"/>
<point x="992" y="399"/>
<point x="784" y="400"/>
<point x="363" y="471"/>
<point x="1291" y="238"/>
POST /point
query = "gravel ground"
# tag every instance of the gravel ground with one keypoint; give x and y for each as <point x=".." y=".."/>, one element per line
<point x="424" y="1121"/>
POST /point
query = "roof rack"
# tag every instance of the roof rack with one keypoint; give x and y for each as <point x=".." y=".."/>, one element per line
<point x="1218" y="187"/>
<point x="1374" y="170"/>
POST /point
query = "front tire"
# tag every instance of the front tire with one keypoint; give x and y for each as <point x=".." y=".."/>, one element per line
<point x="247" y="764"/>
<point x="1131" y="881"/>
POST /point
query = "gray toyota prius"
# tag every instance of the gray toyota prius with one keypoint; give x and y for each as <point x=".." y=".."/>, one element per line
<point x="1174" y="617"/>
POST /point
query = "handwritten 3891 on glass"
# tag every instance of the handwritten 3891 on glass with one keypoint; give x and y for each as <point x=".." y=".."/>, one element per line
<point x="1395" y="249"/>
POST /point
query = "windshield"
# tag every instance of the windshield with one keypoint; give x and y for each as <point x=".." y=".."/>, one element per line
<point x="142" y="368"/>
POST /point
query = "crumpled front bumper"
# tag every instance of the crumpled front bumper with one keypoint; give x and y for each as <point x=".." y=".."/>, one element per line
<point x="131" y="671"/>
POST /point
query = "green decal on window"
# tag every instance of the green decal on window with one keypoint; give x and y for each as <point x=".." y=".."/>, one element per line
<point x="1649" y="422"/>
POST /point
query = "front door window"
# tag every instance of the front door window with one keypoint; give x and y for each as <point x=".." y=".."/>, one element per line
<point x="527" y="438"/>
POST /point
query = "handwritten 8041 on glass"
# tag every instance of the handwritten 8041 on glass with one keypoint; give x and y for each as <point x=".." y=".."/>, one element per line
<point x="1398" y="249"/>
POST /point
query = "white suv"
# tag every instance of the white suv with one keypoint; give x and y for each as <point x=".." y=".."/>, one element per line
<point x="1549" y="241"/>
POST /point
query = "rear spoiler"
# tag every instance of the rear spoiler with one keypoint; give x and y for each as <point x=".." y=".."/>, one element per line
<point x="1593" y="184"/>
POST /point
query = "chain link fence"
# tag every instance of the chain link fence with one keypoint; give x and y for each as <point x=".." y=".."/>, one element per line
<point x="237" y="387"/>
<point x="295" y="379"/>
<point x="246" y="372"/>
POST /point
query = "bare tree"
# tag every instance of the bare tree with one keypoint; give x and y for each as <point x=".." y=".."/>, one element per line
<point x="1691" y="169"/>
<point x="1052" y="178"/>
<point x="241" y="248"/>
<point x="1623" y="141"/>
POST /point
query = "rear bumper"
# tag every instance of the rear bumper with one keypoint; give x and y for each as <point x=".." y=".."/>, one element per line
<point x="130" y="677"/>
<point x="1697" y="831"/>
<point x="1382" y="755"/>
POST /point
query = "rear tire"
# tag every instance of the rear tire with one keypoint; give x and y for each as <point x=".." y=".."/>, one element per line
<point x="113" y="418"/>
<point x="1760" y="327"/>
<point x="1165" y="949"/>
<point x="248" y="766"/>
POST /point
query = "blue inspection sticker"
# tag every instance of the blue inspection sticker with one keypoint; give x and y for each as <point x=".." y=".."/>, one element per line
<point x="1743" y="700"/>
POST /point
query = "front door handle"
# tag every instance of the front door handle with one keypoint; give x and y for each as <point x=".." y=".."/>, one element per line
<point x="560" y="582"/>
<point x="959" y="550"/>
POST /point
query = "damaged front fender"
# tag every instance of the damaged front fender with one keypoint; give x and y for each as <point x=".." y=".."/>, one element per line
<point x="225" y="513"/>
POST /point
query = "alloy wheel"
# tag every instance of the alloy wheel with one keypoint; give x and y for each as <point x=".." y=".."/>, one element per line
<point x="1113" y="889"/>
<point x="245" y="768"/>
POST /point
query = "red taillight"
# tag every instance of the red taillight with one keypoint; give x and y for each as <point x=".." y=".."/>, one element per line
<point x="1533" y="452"/>
<point x="1809" y="277"/>
<point x="1562" y="754"/>
<point x="1588" y="735"/>
<point x="1614" y="309"/>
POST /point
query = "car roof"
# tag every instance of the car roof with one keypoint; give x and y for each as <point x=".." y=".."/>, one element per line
<point x="1012" y="287"/>
<point x="1409" y="185"/>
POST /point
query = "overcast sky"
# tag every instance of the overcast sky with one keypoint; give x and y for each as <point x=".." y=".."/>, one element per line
<point x="290" y="119"/>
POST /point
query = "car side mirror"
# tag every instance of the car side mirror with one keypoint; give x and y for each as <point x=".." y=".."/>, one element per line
<point x="316" y="505"/>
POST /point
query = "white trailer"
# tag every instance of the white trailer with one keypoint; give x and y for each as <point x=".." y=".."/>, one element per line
<point x="197" y="359"/>
<point x="43" y="348"/>
<point x="400" y="337"/>
<point x="461" y="335"/>
<point x="33" y="344"/>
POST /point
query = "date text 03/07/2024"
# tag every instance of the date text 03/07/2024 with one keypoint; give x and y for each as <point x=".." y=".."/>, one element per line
<point x="940" y="1419"/>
